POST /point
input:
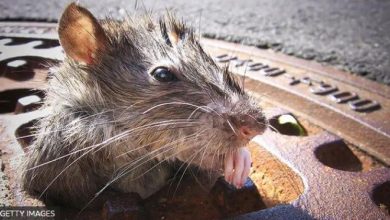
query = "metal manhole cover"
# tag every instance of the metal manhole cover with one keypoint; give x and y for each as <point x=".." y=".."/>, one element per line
<point x="327" y="182"/>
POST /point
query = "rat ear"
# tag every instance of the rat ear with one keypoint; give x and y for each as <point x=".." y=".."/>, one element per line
<point x="81" y="35"/>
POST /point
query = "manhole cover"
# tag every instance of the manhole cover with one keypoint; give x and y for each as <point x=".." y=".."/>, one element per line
<point x="312" y="168"/>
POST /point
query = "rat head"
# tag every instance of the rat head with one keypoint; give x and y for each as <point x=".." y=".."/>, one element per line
<point x="155" y="81"/>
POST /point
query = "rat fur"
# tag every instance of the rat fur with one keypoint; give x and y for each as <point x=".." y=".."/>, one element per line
<point x="113" y="126"/>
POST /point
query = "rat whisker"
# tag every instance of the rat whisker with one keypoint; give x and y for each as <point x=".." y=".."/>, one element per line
<point x="212" y="161"/>
<point x="171" y="103"/>
<point x="204" y="152"/>
<point x="166" y="158"/>
<point x="192" y="136"/>
<point x="108" y="141"/>
<point x="60" y="173"/>
<point x="62" y="129"/>
<point x="231" y="126"/>
<point x="144" y="128"/>
<point x="47" y="187"/>
<point x="264" y="124"/>
<point x="193" y="112"/>
<point x="184" y="103"/>
<point x="178" y="170"/>
<point x="171" y="143"/>
<point x="188" y="162"/>
<point x="127" y="171"/>
<point x="149" y="144"/>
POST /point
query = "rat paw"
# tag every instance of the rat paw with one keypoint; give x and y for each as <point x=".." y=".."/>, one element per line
<point x="237" y="166"/>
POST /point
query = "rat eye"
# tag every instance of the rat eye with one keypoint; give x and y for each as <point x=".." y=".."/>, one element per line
<point x="163" y="74"/>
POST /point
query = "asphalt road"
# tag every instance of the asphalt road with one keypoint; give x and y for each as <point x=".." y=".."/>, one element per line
<point x="353" y="35"/>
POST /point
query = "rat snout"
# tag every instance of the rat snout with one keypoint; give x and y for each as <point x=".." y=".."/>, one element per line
<point x="248" y="132"/>
<point x="248" y="126"/>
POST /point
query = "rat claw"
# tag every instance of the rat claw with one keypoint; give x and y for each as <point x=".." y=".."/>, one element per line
<point x="229" y="167"/>
<point x="247" y="167"/>
<point x="237" y="167"/>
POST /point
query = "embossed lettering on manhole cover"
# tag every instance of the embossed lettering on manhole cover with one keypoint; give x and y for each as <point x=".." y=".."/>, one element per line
<point x="356" y="109"/>
<point x="324" y="182"/>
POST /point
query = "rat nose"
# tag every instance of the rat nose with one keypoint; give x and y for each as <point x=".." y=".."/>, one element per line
<point x="249" y="126"/>
<point x="248" y="132"/>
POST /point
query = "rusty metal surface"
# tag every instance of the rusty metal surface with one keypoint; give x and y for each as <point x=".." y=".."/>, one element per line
<point x="329" y="193"/>
<point x="334" y="187"/>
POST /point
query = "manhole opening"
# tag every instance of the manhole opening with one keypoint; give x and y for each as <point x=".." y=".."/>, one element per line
<point x="381" y="196"/>
<point x="23" y="68"/>
<point x="271" y="183"/>
<point x="287" y="124"/>
<point x="9" y="98"/>
<point x="277" y="183"/>
<point x="339" y="156"/>
<point x="43" y="44"/>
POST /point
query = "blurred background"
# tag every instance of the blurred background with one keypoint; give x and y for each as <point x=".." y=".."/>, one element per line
<point x="353" y="35"/>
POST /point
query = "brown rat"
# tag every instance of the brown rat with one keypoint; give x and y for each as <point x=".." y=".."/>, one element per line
<point x="131" y="98"/>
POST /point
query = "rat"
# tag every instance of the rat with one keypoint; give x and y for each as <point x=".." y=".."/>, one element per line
<point x="130" y="99"/>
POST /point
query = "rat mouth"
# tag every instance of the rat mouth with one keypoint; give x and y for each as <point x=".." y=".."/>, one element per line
<point x="234" y="141"/>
